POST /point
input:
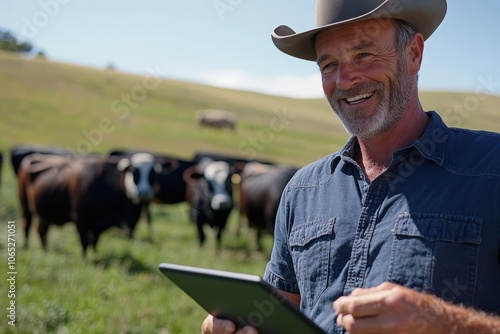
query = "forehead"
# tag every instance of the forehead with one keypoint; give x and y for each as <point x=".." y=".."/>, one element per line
<point x="346" y="36"/>
<point x="217" y="171"/>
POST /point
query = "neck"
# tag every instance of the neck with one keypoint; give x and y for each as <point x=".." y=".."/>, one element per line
<point x="374" y="154"/>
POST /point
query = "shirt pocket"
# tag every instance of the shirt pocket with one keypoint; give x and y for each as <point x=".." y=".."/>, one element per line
<point x="436" y="253"/>
<point x="310" y="248"/>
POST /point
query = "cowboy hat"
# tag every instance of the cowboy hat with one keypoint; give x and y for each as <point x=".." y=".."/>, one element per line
<point x="422" y="15"/>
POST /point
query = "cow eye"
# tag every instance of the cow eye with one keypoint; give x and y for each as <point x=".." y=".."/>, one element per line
<point x="210" y="187"/>
<point x="151" y="176"/>
<point x="136" y="175"/>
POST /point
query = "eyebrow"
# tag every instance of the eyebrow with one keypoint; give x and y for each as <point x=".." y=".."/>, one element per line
<point x="360" y="46"/>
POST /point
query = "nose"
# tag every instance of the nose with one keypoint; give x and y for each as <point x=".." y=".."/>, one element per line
<point x="145" y="194"/>
<point x="221" y="202"/>
<point x="347" y="76"/>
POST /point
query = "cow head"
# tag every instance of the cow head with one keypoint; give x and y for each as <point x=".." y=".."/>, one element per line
<point x="140" y="171"/>
<point x="213" y="183"/>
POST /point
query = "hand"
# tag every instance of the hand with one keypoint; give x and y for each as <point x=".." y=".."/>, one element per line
<point x="391" y="308"/>
<point x="213" y="325"/>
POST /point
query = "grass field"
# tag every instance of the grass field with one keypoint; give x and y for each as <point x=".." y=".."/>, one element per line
<point x="119" y="289"/>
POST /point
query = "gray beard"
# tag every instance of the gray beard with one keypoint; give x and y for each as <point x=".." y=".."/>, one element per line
<point x="389" y="111"/>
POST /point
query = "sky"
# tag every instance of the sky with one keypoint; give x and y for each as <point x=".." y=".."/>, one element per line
<point x="227" y="43"/>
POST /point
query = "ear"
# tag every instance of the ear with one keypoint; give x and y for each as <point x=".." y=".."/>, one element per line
<point x="167" y="165"/>
<point x="123" y="164"/>
<point x="237" y="168"/>
<point x="415" y="53"/>
<point x="158" y="168"/>
<point x="236" y="171"/>
<point x="190" y="175"/>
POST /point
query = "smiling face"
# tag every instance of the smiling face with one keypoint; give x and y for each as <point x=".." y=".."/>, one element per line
<point x="365" y="79"/>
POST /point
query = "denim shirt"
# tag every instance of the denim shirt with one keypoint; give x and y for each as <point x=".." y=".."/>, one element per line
<point x="430" y="222"/>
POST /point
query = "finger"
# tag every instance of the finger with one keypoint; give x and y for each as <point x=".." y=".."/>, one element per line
<point x="368" y="305"/>
<point x="213" y="325"/>
<point x="363" y="325"/>
<point x="247" y="330"/>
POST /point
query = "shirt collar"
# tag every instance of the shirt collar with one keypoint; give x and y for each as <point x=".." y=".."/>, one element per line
<point x="431" y="144"/>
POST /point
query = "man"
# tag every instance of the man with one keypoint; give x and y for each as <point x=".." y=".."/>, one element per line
<point x="400" y="229"/>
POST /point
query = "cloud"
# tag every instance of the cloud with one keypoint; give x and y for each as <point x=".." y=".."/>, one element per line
<point x="291" y="86"/>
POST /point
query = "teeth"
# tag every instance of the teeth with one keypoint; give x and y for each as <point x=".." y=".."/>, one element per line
<point x="359" y="97"/>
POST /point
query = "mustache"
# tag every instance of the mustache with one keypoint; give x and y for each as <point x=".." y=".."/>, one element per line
<point x="363" y="88"/>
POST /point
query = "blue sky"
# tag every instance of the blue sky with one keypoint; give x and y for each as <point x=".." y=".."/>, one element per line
<point x="227" y="42"/>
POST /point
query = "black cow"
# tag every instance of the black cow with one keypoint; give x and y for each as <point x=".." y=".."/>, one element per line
<point x="232" y="160"/>
<point x="209" y="193"/>
<point x="95" y="192"/>
<point x="171" y="187"/>
<point x="260" y="192"/>
<point x="19" y="151"/>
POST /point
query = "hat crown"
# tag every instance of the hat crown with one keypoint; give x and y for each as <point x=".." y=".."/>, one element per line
<point x="330" y="11"/>
<point x="422" y="15"/>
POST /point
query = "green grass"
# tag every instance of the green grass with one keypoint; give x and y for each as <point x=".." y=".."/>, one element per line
<point x="119" y="289"/>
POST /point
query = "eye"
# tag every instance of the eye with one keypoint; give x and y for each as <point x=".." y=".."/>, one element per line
<point x="151" y="176"/>
<point x="137" y="175"/>
<point x="328" y="68"/>
<point x="364" y="55"/>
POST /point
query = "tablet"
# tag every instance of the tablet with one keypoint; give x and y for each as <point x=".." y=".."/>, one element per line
<point x="242" y="298"/>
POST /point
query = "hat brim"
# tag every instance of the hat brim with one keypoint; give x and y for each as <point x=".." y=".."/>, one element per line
<point x="424" y="16"/>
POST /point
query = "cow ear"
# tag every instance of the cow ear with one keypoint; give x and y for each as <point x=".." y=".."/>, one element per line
<point x="238" y="167"/>
<point x="167" y="165"/>
<point x="191" y="174"/>
<point x="123" y="164"/>
<point x="158" y="168"/>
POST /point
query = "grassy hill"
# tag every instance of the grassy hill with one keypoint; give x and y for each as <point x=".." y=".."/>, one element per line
<point x="119" y="289"/>
<point x="90" y="109"/>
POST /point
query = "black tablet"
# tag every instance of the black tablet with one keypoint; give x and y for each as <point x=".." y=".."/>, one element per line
<point x="242" y="298"/>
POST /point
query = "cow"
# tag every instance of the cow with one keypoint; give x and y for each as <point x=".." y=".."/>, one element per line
<point x="210" y="196"/>
<point x="95" y="192"/>
<point x="260" y="189"/>
<point x="171" y="187"/>
<point x="218" y="119"/>
<point x="232" y="160"/>
<point x="19" y="151"/>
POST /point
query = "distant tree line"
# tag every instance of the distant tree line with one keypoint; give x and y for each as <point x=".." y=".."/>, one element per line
<point x="9" y="42"/>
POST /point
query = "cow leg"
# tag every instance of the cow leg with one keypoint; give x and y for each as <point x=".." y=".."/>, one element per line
<point x="83" y="234"/>
<point x="43" y="228"/>
<point x="219" y="238"/>
<point x="95" y="238"/>
<point x="27" y="216"/>
<point x="27" y="219"/>
<point x="201" y="233"/>
<point x="149" y="221"/>
<point x="259" y="240"/>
